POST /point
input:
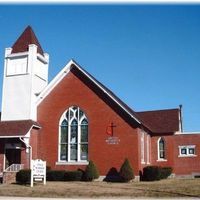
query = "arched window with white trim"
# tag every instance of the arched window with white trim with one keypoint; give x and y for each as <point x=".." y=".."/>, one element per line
<point x="73" y="136"/>
<point x="161" y="149"/>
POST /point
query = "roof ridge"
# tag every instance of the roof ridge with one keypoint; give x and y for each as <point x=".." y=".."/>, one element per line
<point x="160" y="110"/>
<point x="67" y="68"/>
<point x="115" y="98"/>
<point x="19" y="120"/>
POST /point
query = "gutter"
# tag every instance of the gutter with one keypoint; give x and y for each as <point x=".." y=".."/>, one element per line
<point x="30" y="153"/>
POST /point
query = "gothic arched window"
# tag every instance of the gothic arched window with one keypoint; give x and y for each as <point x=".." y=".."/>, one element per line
<point x="161" y="149"/>
<point x="73" y="136"/>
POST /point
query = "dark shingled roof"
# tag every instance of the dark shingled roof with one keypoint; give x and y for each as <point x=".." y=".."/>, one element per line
<point x="109" y="92"/>
<point x="26" y="38"/>
<point x="161" y="121"/>
<point x="157" y="121"/>
<point x="16" y="128"/>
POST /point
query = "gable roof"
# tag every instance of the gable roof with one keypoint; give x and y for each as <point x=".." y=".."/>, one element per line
<point x="158" y="121"/>
<point x="26" y="38"/>
<point x="161" y="121"/>
<point x="72" y="64"/>
<point x="17" y="128"/>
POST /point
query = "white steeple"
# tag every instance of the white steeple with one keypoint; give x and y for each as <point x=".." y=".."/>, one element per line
<point x="25" y="76"/>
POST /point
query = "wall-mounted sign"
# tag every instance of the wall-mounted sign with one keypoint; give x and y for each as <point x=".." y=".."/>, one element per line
<point x="38" y="171"/>
<point x="112" y="140"/>
<point x="110" y="131"/>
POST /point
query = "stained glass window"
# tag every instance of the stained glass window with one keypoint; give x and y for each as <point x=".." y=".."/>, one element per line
<point x="73" y="140"/>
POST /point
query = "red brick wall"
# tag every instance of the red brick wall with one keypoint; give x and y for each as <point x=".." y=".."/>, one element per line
<point x="169" y="148"/>
<point x="181" y="165"/>
<point x="186" y="165"/>
<point x="34" y="143"/>
<point x="9" y="177"/>
<point x="25" y="158"/>
<point x="72" y="91"/>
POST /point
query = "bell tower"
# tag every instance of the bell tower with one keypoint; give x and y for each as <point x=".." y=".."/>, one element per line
<point x="25" y="76"/>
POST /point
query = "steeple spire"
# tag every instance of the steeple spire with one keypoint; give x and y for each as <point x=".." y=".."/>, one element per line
<point x="26" y="38"/>
<point x="25" y="76"/>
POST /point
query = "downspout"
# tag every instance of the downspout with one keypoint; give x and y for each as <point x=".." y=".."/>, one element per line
<point x="30" y="153"/>
<point x="181" y="119"/>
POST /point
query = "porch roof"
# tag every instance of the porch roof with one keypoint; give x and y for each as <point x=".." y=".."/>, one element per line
<point x="19" y="128"/>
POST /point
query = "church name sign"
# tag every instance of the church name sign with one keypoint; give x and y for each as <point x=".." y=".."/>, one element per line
<point x="38" y="171"/>
<point x="112" y="140"/>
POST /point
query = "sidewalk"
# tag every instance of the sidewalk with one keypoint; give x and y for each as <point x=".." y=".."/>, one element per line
<point x="36" y="198"/>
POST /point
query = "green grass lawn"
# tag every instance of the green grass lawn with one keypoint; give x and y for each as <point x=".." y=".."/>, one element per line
<point x="164" y="188"/>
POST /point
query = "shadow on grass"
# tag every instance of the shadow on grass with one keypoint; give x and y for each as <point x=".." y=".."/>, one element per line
<point x="178" y="194"/>
<point x="20" y="184"/>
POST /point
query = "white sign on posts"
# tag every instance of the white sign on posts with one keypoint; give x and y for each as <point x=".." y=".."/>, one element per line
<point x="38" y="171"/>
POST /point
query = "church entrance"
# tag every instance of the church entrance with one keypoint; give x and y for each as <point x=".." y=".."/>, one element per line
<point x="13" y="156"/>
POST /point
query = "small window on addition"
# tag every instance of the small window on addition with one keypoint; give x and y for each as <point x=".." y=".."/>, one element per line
<point x="184" y="151"/>
<point x="187" y="151"/>
<point x="191" y="151"/>
<point x="161" y="146"/>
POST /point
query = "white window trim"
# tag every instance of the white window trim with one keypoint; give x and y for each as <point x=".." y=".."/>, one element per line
<point x="17" y="68"/>
<point x="187" y="151"/>
<point x="142" y="147"/>
<point x="70" y="162"/>
<point x="158" y="151"/>
<point x="161" y="160"/>
<point x="186" y="156"/>
<point x="148" y="149"/>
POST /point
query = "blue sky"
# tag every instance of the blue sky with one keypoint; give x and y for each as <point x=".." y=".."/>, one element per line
<point x="148" y="55"/>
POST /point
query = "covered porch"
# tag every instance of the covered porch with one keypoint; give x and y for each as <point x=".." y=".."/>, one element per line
<point x="15" y="146"/>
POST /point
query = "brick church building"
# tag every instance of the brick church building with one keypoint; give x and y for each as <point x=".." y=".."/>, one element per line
<point x="75" y="118"/>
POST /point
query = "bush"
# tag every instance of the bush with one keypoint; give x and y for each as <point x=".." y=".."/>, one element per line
<point x="154" y="173"/>
<point x="151" y="173"/>
<point x="55" y="175"/>
<point x="23" y="176"/>
<point x="73" y="175"/>
<point x="91" y="172"/>
<point x="165" y="172"/>
<point x="112" y="175"/>
<point x="126" y="171"/>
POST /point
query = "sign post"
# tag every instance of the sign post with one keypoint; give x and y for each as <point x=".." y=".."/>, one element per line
<point x="38" y="171"/>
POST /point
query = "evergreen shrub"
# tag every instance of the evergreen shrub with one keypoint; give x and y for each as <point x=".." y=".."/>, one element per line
<point x="165" y="172"/>
<point x="55" y="175"/>
<point x="112" y="175"/>
<point x="126" y="171"/>
<point x="154" y="173"/>
<point x="73" y="175"/>
<point x="91" y="172"/>
<point x="23" y="176"/>
<point x="151" y="173"/>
